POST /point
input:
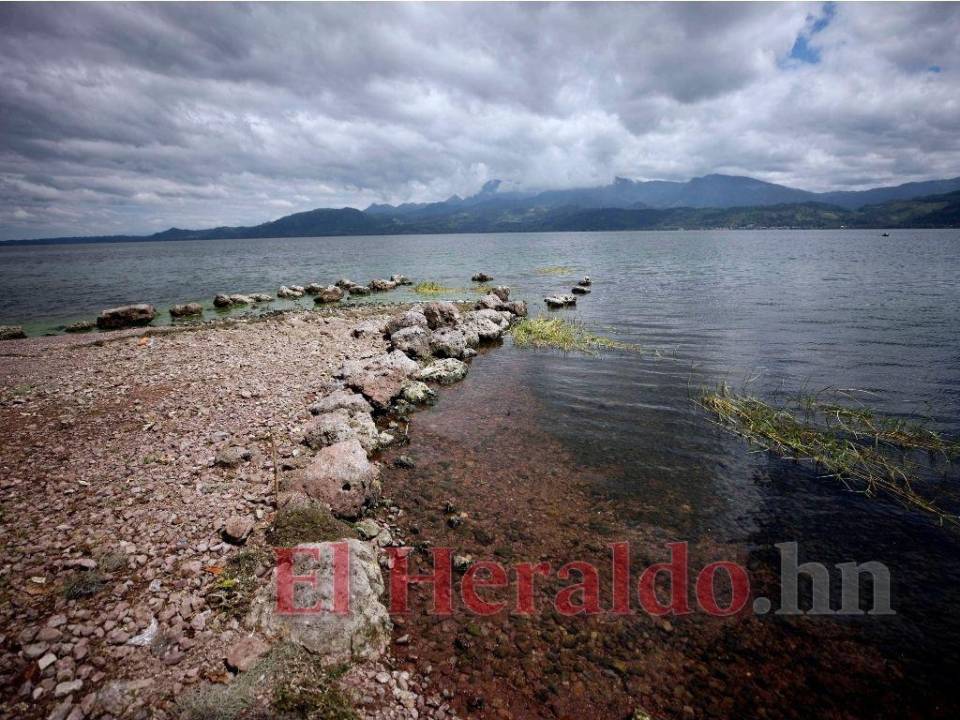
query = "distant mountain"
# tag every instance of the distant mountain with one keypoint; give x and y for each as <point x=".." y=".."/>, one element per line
<point x="712" y="201"/>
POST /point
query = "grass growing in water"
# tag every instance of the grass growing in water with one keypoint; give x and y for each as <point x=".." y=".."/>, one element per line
<point x="853" y="445"/>
<point x="435" y="288"/>
<point x="544" y="332"/>
<point x="555" y="270"/>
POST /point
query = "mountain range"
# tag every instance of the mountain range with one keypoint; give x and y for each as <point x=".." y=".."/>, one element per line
<point x="711" y="201"/>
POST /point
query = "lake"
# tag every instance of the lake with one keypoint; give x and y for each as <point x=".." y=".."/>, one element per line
<point x="773" y="312"/>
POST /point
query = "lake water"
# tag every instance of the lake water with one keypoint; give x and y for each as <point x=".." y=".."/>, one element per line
<point x="775" y="312"/>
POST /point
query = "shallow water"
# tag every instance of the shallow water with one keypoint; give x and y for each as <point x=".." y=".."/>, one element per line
<point x="778" y="312"/>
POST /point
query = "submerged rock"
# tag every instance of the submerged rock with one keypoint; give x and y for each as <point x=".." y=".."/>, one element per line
<point x="414" y="341"/>
<point x="12" y="332"/>
<point x="441" y="314"/>
<point x="223" y="301"/>
<point x="359" y="290"/>
<point x="416" y="392"/>
<point x="238" y="299"/>
<point x="445" y="372"/>
<point x="126" y="316"/>
<point x="262" y="297"/>
<point x="81" y="326"/>
<point x="362" y="633"/>
<point x="578" y="290"/>
<point x="341" y="476"/>
<point x="186" y="310"/>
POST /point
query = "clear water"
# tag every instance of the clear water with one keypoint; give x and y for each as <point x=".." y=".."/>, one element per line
<point x="777" y="312"/>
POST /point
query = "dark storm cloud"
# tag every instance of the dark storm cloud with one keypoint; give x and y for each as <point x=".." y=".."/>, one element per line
<point x="117" y="118"/>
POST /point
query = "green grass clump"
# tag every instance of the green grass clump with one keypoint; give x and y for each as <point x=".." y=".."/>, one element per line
<point x="547" y="332"/>
<point x="309" y="523"/>
<point x="432" y="288"/>
<point x="853" y="445"/>
<point x="555" y="270"/>
<point x="237" y="582"/>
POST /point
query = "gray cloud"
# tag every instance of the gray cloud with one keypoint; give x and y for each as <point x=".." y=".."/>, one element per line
<point x="133" y="118"/>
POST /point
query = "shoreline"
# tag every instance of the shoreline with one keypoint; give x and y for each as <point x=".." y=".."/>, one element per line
<point x="117" y="466"/>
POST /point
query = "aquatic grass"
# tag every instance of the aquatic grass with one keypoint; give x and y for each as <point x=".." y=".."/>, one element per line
<point x="555" y="270"/>
<point x="435" y="288"/>
<point x="853" y="445"/>
<point x="561" y="334"/>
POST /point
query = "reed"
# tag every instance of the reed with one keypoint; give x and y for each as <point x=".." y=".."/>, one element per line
<point x="547" y="332"/>
<point x="854" y="445"/>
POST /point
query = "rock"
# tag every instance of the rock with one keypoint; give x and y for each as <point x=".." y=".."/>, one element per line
<point x="401" y="280"/>
<point x="362" y="633"/>
<point x="381" y="285"/>
<point x="502" y="292"/>
<point x="445" y="372"/>
<point x="46" y="661"/>
<point x="516" y="307"/>
<point x="447" y="342"/>
<point x="11" y="332"/>
<point x="411" y="318"/>
<point x="586" y="282"/>
<point x="341" y="400"/>
<point x="65" y="688"/>
<point x="238" y="299"/>
<point x="223" y="301"/>
<point x="116" y="697"/>
<point x="341" y="476"/>
<point x="344" y="283"/>
<point x="379" y="378"/>
<point x="80" y="327"/>
<point x="289" y="293"/>
<point x="237" y="529"/>
<point x="491" y="301"/>
<point x="359" y="290"/>
<point x="441" y="314"/>
<point x="186" y="310"/>
<point x="126" y="316"/>
<point x="339" y="425"/>
<point x="298" y="289"/>
<point x="368" y="529"/>
<point x="560" y="300"/>
<point x="232" y="456"/>
<point x="417" y="393"/>
<point x="414" y="341"/>
<point x="313" y="288"/>
<point x="368" y="328"/>
<point x="262" y="297"/>
<point x="487" y="324"/>
<point x="482" y="277"/>
<point x="577" y="290"/>
<point x="329" y="295"/>
<point x="245" y="652"/>
<point x="405" y="462"/>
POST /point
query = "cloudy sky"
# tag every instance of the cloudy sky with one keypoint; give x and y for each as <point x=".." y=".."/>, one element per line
<point x="135" y="118"/>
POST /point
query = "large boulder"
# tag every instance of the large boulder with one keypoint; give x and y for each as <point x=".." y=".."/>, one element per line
<point x="223" y="301"/>
<point x="238" y="299"/>
<point x="416" y="392"/>
<point x="12" y="332"/>
<point x="339" y="425"/>
<point x="341" y="400"/>
<point x="126" y="316"/>
<point x="491" y="302"/>
<point x="359" y="290"/>
<point x="441" y="314"/>
<point x="262" y="297"/>
<point x="344" y="283"/>
<point x="414" y="341"/>
<point x="186" y="310"/>
<point x="362" y="633"/>
<point x="502" y="292"/>
<point x="379" y="378"/>
<point x="488" y="324"/>
<point x="381" y="285"/>
<point x="516" y="307"/>
<point x="410" y="318"/>
<point x="447" y="342"/>
<point x="341" y="477"/>
<point x="329" y="294"/>
<point x="313" y="288"/>
<point x="445" y="372"/>
<point x="368" y="328"/>
<point x="555" y="301"/>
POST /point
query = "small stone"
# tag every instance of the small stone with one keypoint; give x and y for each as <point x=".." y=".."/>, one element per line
<point x="244" y="653"/>
<point x="237" y="529"/>
<point x="46" y="661"/>
<point x="65" y="688"/>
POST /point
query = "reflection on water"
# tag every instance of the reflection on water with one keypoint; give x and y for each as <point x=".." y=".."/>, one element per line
<point x="554" y="455"/>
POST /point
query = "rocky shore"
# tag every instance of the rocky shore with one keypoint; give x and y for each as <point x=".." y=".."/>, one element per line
<point x="146" y="476"/>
